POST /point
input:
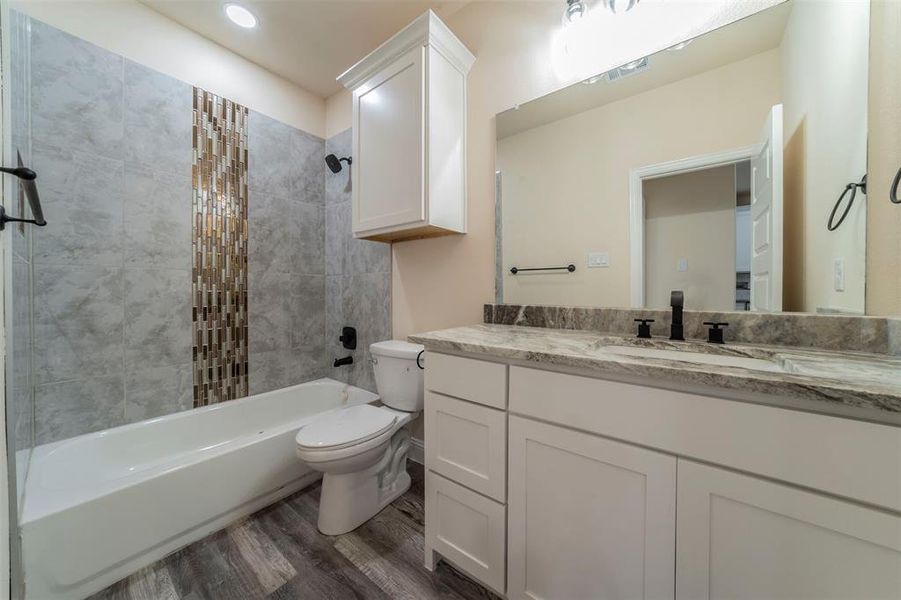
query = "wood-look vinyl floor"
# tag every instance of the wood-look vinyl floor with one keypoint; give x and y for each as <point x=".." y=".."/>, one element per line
<point x="277" y="553"/>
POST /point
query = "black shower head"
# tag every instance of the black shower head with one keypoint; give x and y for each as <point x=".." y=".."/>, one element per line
<point x="334" y="163"/>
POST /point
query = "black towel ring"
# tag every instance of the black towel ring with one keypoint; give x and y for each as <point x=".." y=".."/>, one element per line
<point x="893" y="191"/>
<point x="419" y="360"/>
<point x="851" y="187"/>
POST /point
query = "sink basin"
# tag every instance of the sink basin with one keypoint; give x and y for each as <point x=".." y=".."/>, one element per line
<point x="699" y="358"/>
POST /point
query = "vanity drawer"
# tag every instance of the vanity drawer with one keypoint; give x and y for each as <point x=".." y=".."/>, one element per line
<point x="474" y="380"/>
<point x="467" y="442"/>
<point x="467" y="529"/>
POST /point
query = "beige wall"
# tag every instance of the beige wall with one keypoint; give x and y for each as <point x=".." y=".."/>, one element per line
<point x="141" y="34"/>
<point x="566" y="184"/>
<point x="824" y="80"/>
<point x="692" y="217"/>
<point x="883" y="217"/>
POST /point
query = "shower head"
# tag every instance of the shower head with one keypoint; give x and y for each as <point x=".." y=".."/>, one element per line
<point x="334" y="163"/>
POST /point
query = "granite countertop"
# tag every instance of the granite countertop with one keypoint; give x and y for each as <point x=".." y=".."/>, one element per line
<point x="844" y="381"/>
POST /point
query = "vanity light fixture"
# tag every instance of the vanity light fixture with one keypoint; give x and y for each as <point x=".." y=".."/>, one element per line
<point x="593" y="80"/>
<point x="240" y="16"/>
<point x="679" y="46"/>
<point x="620" y="6"/>
<point x="575" y="10"/>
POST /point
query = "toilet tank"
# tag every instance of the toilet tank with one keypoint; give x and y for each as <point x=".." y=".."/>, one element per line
<point x="398" y="379"/>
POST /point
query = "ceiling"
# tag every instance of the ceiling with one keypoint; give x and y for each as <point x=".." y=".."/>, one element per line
<point x="308" y="42"/>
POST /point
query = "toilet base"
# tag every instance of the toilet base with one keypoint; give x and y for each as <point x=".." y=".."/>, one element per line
<point x="350" y="499"/>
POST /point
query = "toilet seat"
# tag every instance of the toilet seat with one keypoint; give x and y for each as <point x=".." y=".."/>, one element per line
<point x="345" y="428"/>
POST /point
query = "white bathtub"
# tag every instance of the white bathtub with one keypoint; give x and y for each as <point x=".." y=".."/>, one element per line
<point x="103" y="505"/>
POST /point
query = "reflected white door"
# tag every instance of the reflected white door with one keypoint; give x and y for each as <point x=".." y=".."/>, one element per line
<point x="766" y="217"/>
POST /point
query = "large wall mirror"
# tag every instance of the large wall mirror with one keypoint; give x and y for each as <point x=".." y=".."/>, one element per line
<point x="731" y="166"/>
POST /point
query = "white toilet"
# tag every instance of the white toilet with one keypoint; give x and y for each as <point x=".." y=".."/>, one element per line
<point x="362" y="450"/>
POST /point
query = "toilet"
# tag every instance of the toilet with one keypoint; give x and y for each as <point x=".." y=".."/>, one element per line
<point x="362" y="450"/>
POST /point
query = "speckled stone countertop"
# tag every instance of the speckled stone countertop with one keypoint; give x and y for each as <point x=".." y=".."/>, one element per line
<point x="870" y="383"/>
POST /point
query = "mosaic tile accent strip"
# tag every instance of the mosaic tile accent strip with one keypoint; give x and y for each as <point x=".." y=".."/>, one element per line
<point x="219" y="245"/>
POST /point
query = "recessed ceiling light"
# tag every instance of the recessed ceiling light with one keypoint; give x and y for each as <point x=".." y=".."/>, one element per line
<point x="240" y="16"/>
<point x="679" y="46"/>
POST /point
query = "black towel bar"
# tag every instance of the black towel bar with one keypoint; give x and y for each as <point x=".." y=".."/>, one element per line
<point x="569" y="268"/>
<point x="26" y="180"/>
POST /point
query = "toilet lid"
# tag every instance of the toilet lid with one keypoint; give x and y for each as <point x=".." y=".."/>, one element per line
<point x="346" y="427"/>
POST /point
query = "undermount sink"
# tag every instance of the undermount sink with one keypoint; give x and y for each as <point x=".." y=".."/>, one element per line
<point x="700" y="358"/>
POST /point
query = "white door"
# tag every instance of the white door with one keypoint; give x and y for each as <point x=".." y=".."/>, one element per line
<point x="744" y="537"/>
<point x="389" y="146"/>
<point x="588" y="517"/>
<point x="766" y="217"/>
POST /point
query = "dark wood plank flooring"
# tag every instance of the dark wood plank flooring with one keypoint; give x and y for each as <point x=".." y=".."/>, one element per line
<point x="277" y="553"/>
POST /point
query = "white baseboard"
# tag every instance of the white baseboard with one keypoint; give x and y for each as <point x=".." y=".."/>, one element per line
<point x="417" y="451"/>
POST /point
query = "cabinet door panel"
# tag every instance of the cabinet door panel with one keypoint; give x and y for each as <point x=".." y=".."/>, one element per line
<point x="467" y="443"/>
<point x="466" y="528"/>
<point x="744" y="537"/>
<point x="388" y="138"/>
<point x="588" y="517"/>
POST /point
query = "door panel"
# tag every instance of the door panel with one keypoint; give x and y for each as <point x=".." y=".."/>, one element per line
<point x="389" y="142"/>
<point x="588" y="517"/>
<point x="743" y="537"/>
<point x="766" y="217"/>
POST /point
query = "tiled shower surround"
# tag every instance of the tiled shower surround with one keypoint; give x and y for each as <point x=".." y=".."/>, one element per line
<point x="112" y="270"/>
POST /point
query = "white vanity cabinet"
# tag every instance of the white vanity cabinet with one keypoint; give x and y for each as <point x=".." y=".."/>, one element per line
<point x="409" y="134"/>
<point x="622" y="490"/>
<point x="466" y="462"/>
<point x="744" y="537"/>
<point x="588" y="517"/>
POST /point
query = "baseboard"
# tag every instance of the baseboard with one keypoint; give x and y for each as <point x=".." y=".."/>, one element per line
<point x="417" y="451"/>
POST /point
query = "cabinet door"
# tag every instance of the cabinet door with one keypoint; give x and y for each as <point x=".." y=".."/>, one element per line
<point x="743" y="537"/>
<point x="588" y="517"/>
<point x="389" y="146"/>
<point x="467" y="443"/>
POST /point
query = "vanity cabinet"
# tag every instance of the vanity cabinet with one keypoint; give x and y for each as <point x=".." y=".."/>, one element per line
<point x="588" y="517"/>
<point x="743" y="537"/>
<point x="622" y="490"/>
<point x="466" y="462"/>
<point x="409" y="134"/>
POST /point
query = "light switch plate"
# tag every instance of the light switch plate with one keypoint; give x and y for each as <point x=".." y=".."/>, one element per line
<point x="598" y="260"/>
<point x="838" y="274"/>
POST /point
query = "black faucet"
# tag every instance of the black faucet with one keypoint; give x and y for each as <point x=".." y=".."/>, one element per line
<point x="340" y="362"/>
<point x="676" y="301"/>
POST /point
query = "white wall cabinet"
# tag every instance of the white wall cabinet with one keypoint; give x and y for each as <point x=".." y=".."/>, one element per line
<point x="409" y="134"/>
<point x="744" y="537"/>
<point x="588" y="517"/>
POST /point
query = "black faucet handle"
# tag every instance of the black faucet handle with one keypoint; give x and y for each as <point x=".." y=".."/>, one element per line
<point x="644" y="330"/>
<point x="715" y="333"/>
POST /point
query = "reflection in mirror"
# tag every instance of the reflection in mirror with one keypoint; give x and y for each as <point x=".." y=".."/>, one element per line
<point x="710" y="167"/>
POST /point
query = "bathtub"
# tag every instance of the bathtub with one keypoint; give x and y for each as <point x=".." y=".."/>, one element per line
<point x="101" y="506"/>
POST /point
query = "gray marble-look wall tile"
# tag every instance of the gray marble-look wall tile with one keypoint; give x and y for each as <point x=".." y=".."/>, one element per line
<point x="338" y="185"/>
<point x="82" y="195"/>
<point x="78" y="322"/>
<point x="157" y="218"/>
<point x="307" y="158"/>
<point x="337" y="232"/>
<point x="283" y="160"/>
<point x="158" y="120"/>
<point x="366" y="305"/>
<point x="285" y="235"/>
<point x="282" y="368"/>
<point x="363" y="256"/>
<point x="157" y="391"/>
<point x="69" y="408"/>
<point x="269" y="310"/>
<point x="157" y="318"/>
<point x="308" y="312"/>
<point x="76" y="93"/>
